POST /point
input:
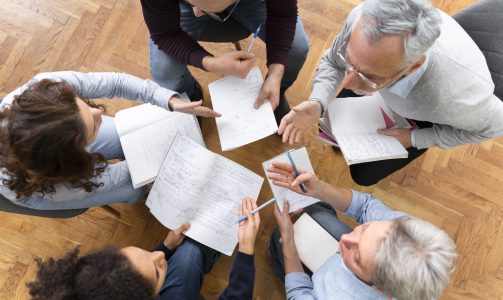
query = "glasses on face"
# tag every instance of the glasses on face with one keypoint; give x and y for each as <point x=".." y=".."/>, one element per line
<point x="218" y="16"/>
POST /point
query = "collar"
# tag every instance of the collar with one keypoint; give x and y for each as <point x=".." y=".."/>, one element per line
<point x="404" y="86"/>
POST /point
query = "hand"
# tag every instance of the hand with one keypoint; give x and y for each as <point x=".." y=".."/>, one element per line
<point x="283" y="175"/>
<point x="236" y="63"/>
<point x="271" y="86"/>
<point x="299" y="118"/>
<point x="285" y="224"/>
<point x="175" y="237"/>
<point x="193" y="108"/>
<point x="403" y="135"/>
<point x="248" y="229"/>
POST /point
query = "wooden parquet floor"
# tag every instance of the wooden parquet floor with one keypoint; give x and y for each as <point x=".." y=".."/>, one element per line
<point x="459" y="190"/>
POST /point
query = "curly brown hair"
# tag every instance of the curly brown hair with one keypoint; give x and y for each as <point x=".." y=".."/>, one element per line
<point x="102" y="275"/>
<point x="43" y="139"/>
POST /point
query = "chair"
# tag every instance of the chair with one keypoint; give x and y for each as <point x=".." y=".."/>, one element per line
<point x="483" y="21"/>
<point x="7" y="206"/>
<point x="234" y="32"/>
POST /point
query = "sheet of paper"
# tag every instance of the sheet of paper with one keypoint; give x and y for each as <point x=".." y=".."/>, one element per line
<point x="240" y="123"/>
<point x="198" y="186"/>
<point x="355" y="115"/>
<point x="314" y="244"/>
<point x="296" y="201"/>
<point x="136" y="117"/>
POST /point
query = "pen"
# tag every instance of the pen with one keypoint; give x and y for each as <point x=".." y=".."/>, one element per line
<point x="254" y="38"/>
<point x="245" y="217"/>
<point x="302" y="186"/>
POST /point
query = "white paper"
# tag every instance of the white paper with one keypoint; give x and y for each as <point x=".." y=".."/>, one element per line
<point x="314" y="244"/>
<point x="240" y="123"/>
<point x="198" y="186"/>
<point x="296" y="201"/>
<point x="146" y="133"/>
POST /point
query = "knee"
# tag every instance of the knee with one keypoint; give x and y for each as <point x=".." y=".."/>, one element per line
<point x="300" y="48"/>
<point x="364" y="178"/>
<point x="189" y="254"/>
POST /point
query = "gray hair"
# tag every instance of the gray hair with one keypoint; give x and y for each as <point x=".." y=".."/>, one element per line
<point x="417" y="20"/>
<point x="415" y="260"/>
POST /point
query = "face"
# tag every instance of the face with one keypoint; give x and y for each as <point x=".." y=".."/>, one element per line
<point x="152" y="265"/>
<point x="381" y="62"/>
<point x="359" y="248"/>
<point x="209" y="6"/>
<point x="92" y="120"/>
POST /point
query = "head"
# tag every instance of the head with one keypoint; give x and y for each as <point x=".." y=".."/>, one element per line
<point x="110" y="273"/>
<point x="43" y="137"/>
<point x="388" y="42"/>
<point x="405" y="258"/>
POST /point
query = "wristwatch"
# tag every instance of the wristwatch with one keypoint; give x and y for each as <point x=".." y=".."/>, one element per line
<point x="321" y="105"/>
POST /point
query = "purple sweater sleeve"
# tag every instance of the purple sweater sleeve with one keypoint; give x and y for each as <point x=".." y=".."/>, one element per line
<point x="280" y="29"/>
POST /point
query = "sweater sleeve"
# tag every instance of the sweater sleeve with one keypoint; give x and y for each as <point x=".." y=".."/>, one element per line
<point x="167" y="253"/>
<point x="280" y="30"/>
<point x="241" y="280"/>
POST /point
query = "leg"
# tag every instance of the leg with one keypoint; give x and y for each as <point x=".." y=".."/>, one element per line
<point x="107" y="141"/>
<point x="186" y="268"/>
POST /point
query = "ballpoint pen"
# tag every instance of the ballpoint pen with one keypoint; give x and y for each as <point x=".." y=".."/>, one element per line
<point x="254" y="38"/>
<point x="245" y="217"/>
<point x="302" y="185"/>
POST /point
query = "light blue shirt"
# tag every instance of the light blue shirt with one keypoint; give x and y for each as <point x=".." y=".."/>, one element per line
<point x="333" y="280"/>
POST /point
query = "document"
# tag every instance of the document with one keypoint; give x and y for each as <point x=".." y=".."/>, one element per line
<point x="314" y="244"/>
<point x="240" y="123"/>
<point x="198" y="186"/>
<point x="296" y="200"/>
<point x="146" y="132"/>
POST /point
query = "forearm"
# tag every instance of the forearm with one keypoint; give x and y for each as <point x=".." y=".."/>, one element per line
<point x="291" y="256"/>
<point x="280" y="30"/>
<point x="339" y="198"/>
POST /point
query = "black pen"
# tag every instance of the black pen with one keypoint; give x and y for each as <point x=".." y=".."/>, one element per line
<point x="297" y="174"/>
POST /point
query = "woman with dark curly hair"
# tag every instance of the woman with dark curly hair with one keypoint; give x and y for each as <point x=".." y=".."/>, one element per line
<point x="54" y="143"/>
<point x="174" y="271"/>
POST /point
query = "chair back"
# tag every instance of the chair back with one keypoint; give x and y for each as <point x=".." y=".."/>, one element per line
<point x="7" y="206"/>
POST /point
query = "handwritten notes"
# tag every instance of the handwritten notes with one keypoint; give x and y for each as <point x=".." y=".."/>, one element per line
<point x="198" y="186"/>
<point x="146" y="132"/>
<point x="296" y="201"/>
<point x="240" y="123"/>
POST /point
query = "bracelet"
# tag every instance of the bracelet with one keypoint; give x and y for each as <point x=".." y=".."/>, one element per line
<point x="321" y="105"/>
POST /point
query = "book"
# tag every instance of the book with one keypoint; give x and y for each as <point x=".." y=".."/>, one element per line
<point x="201" y="187"/>
<point x="352" y="124"/>
<point x="240" y="123"/>
<point x="314" y="244"/>
<point x="146" y="131"/>
<point x="296" y="200"/>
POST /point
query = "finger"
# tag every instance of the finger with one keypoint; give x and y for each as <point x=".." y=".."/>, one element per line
<point x="282" y="184"/>
<point x="244" y="55"/>
<point x="279" y="178"/>
<point x="279" y="171"/>
<point x="206" y="112"/>
<point x="291" y="138"/>
<point x="284" y="121"/>
<point x="298" y="211"/>
<point x="301" y="178"/>
<point x="253" y="202"/>
<point x="181" y="229"/>
<point x="277" y="212"/>
<point x="260" y="100"/>
<point x="248" y="204"/>
<point x="283" y="166"/>
<point x="385" y="131"/>
<point x="298" y="136"/>
<point x="286" y="208"/>
<point x="274" y="101"/>
<point x="286" y="134"/>
<point x="240" y="210"/>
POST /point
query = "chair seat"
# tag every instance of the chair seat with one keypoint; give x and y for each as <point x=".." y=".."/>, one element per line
<point x="7" y="206"/>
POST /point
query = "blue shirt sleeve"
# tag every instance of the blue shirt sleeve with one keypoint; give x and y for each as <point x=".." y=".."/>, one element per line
<point x="299" y="286"/>
<point x="365" y="208"/>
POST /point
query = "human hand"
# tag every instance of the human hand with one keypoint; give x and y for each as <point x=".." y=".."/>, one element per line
<point x="301" y="117"/>
<point x="236" y="63"/>
<point x="271" y="86"/>
<point x="193" y="108"/>
<point x="283" y="175"/>
<point x="175" y="237"/>
<point x="248" y="228"/>
<point x="284" y="222"/>
<point x="403" y="135"/>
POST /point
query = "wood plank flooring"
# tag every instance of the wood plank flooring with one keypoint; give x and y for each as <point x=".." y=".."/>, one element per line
<point x="459" y="190"/>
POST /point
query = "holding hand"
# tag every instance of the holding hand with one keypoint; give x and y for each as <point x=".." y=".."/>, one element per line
<point x="175" y="237"/>
<point x="193" y="108"/>
<point x="248" y="228"/>
<point x="403" y="135"/>
<point x="301" y="117"/>
<point x="236" y="63"/>
<point x="283" y="175"/>
<point x="285" y="224"/>
<point x="271" y="87"/>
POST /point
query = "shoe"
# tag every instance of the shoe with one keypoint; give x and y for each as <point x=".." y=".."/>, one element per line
<point x="282" y="109"/>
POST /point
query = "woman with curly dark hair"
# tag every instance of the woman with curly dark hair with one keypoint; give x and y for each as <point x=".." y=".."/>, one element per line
<point x="54" y="143"/>
<point x="174" y="271"/>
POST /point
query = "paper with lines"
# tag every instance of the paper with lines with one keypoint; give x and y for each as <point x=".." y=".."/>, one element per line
<point x="198" y="186"/>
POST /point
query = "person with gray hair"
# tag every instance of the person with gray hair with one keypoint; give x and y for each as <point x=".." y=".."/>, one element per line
<point x="390" y="255"/>
<point x="426" y="68"/>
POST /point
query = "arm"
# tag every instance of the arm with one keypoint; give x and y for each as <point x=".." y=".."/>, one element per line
<point x="280" y="30"/>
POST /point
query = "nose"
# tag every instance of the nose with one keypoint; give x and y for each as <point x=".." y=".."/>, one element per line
<point x="351" y="80"/>
<point x="349" y="239"/>
<point x="197" y="12"/>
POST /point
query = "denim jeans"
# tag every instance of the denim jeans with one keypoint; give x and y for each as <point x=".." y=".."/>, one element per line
<point x="174" y="75"/>
<point x="322" y="213"/>
<point x="107" y="143"/>
<point x="186" y="268"/>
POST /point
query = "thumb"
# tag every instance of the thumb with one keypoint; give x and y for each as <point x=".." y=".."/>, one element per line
<point x="385" y="131"/>
<point x="182" y="229"/>
<point x="260" y="99"/>
<point x="243" y="55"/>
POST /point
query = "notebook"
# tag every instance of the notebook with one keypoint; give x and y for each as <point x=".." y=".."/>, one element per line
<point x="240" y="123"/>
<point x="146" y="132"/>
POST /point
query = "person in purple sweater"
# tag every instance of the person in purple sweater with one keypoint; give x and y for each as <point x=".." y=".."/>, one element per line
<point x="176" y="25"/>
<point x="174" y="270"/>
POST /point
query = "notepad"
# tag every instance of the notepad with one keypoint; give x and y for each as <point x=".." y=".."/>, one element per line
<point x="354" y="123"/>
<point x="314" y="244"/>
<point x="198" y="186"/>
<point x="146" y="132"/>
<point x="295" y="200"/>
<point x="240" y="123"/>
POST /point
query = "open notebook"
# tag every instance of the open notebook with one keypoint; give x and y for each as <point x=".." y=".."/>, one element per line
<point x="146" y="132"/>
<point x="240" y="123"/>
<point x="198" y="186"/>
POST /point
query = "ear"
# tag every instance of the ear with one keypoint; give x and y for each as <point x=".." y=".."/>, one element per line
<point x="416" y="65"/>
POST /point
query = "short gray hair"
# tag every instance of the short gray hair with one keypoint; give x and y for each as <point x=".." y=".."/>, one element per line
<point x="417" y="20"/>
<point x="415" y="260"/>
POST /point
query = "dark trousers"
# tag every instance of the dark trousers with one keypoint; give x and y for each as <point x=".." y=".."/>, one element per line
<point x="372" y="172"/>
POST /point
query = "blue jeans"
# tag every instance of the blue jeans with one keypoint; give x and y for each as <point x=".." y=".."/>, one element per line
<point x="107" y="143"/>
<point x="186" y="268"/>
<point x="174" y="75"/>
<point x="322" y="213"/>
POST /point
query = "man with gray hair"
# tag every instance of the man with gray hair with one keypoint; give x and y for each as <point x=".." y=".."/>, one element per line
<point x="389" y="255"/>
<point x="426" y="68"/>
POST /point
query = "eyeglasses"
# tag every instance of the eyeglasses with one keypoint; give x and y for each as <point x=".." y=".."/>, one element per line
<point x="218" y="16"/>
